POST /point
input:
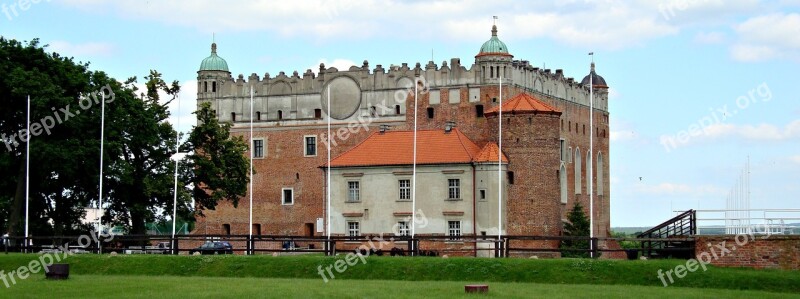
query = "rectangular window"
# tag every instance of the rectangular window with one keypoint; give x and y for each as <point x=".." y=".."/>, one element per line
<point x="288" y="196"/>
<point x="310" y="146"/>
<point x="258" y="148"/>
<point x="454" y="188"/>
<point x="482" y="194"/>
<point x="353" y="192"/>
<point x="318" y="113"/>
<point x="510" y="178"/>
<point x="403" y="228"/>
<point x="353" y="229"/>
<point x="563" y="150"/>
<point x="454" y="230"/>
<point x="430" y="112"/>
<point x="405" y="189"/>
<point x="479" y="110"/>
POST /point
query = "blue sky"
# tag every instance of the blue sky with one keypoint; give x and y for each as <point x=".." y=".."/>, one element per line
<point x="675" y="67"/>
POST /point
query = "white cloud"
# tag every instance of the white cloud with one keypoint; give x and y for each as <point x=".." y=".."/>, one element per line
<point x="765" y="37"/>
<point x="709" y="38"/>
<point x="795" y="159"/>
<point x="608" y="24"/>
<point x="761" y="132"/>
<point x="85" y="49"/>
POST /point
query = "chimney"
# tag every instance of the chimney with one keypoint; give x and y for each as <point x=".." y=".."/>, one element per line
<point x="449" y="126"/>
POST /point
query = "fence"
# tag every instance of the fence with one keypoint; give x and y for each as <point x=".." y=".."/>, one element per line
<point x="478" y="246"/>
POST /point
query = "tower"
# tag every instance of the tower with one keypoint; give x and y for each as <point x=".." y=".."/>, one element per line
<point x="212" y="76"/>
<point x="494" y="60"/>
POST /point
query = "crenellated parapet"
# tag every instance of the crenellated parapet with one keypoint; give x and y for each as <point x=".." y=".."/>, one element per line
<point x="380" y="93"/>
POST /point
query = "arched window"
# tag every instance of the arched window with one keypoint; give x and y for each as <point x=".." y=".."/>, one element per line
<point x="233" y="116"/>
<point x="578" y="176"/>
<point x="258" y="115"/>
<point x="280" y="114"/>
<point x="205" y="86"/>
<point x="600" y="181"/>
<point x="562" y="177"/>
<point x="214" y="86"/>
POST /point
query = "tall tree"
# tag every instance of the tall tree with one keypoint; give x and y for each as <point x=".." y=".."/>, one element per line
<point x="576" y="226"/>
<point x="220" y="168"/>
<point x="61" y="180"/>
<point x="140" y="142"/>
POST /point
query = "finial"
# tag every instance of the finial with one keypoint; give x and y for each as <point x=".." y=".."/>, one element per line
<point x="494" y="25"/>
<point x="213" y="48"/>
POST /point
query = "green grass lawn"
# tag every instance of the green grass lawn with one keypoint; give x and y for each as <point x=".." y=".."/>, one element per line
<point x="95" y="286"/>
<point x="137" y="276"/>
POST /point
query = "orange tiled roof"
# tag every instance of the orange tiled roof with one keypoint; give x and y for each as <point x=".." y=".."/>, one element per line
<point x="397" y="148"/>
<point x="524" y="103"/>
<point x="489" y="154"/>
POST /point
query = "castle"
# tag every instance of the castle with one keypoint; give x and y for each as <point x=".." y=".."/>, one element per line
<point x="545" y="147"/>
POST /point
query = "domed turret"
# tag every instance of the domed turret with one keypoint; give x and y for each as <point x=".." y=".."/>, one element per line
<point x="494" y="45"/>
<point x="214" y="62"/>
<point x="596" y="79"/>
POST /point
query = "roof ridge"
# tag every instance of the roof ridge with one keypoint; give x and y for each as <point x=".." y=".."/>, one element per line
<point x="459" y="134"/>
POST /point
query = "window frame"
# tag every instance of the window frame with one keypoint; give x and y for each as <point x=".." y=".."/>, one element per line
<point x="454" y="233"/>
<point x="482" y="194"/>
<point x="350" y="197"/>
<point x="263" y="148"/>
<point x="403" y="228"/>
<point x="353" y="226"/>
<point x="305" y="146"/>
<point x="407" y="189"/>
<point x="450" y="188"/>
<point x="283" y="196"/>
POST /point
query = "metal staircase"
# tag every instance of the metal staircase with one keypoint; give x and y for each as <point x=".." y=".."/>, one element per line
<point x="672" y="239"/>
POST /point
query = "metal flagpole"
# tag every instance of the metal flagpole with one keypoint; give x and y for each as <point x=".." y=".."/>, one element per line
<point x="175" y="187"/>
<point x="414" y="170"/>
<point x="328" y="179"/>
<point x="591" y="156"/>
<point x="100" y="200"/>
<point x="27" y="174"/>
<point x="250" y="231"/>
<point x="499" y="166"/>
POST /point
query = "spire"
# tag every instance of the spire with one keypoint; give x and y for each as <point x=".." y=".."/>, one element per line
<point x="494" y="25"/>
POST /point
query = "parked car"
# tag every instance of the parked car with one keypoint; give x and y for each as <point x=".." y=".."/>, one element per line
<point x="161" y="248"/>
<point x="214" y="247"/>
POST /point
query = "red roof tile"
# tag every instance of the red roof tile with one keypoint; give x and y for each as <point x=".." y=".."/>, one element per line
<point x="396" y="148"/>
<point x="524" y="103"/>
<point x="489" y="154"/>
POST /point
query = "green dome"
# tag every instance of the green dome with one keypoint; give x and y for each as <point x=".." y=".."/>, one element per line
<point x="494" y="45"/>
<point x="214" y="62"/>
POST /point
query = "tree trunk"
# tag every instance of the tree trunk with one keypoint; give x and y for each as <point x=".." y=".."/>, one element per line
<point x="137" y="222"/>
<point x="15" y="217"/>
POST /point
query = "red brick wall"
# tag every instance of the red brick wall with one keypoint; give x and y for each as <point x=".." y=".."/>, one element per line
<point x="774" y="252"/>
<point x="534" y="201"/>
